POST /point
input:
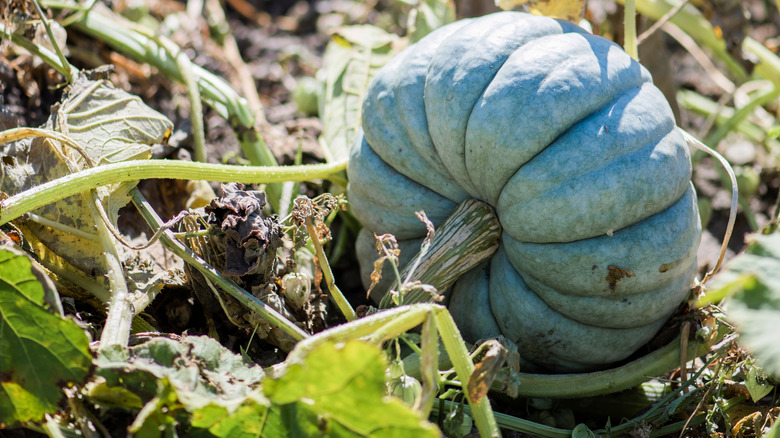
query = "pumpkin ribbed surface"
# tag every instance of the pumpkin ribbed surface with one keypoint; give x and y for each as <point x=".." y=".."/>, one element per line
<point x="566" y="137"/>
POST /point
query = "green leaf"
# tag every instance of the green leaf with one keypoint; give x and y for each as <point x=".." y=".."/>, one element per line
<point x="157" y="418"/>
<point x="340" y="388"/>
<point x="773" y="132"/>
<point x="113" y="126"/>
<point x="192" y="386"/>
<point x="352" y="58"/>
<point x="457" y="423"/>
<point x="757" y="385"/>
<point x="429" y="15"/>
<point x="182" y="383"/>
<point x="201" y="370"/>
<point x="774" y="432"/>
<point x="40" y="351"/>
<point x="755" y="307"/>
<point x="582" y="431"/>
<point x="247" y="420"/>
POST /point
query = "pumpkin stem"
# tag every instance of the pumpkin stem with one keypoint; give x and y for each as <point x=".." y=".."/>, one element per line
<point x="469" y="236"/>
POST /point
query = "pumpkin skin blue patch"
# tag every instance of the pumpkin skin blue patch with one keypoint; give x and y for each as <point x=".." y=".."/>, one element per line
<point x="566" y="137"/>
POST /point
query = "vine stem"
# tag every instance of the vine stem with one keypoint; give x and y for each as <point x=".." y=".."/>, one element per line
<point x="658" y="24"/>
<point x="44" y="194"/>
<point x="68" y="72"/>
<point x="116" y="330"/>
<point x="335" y="292"/>
<point x="590" y="384"/>
<point x="143" y="45"/>
<point x="45" y="54"/>
<point x="734" y="199"/>
<point x="629" y="34"/>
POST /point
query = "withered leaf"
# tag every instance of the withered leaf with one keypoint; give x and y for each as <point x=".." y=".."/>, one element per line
<point x="486" y="370"/>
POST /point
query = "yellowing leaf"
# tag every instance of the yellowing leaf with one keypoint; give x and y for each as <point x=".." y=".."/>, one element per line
<point x="110" y="125"/>
<point x="571" y="10"/>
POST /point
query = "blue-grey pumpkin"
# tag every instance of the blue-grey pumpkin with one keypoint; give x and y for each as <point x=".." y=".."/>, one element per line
<point x="567" y="138"/>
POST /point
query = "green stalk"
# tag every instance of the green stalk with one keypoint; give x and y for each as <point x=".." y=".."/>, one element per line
<point x="695" y="25"/>
<point x="464" y="367"/>
<point x="429" y="361"/>
<point x="51" y="428"/>
<point x="580" y="385"/>
<point x="695" y="102"/>
<point x="736" y="120"/>
<point x="36" y="197"/>
<point x="43" y="53"/>
<point x="700" y="29"/>
<point x="335" y="292"/>
<point x="726" y="167"/>
<point x="247" y="299"/>
<point x="469" y="236"/>
<point x="115" y="31"/>
<point x="651" y="414"/>
<point x="629" y="26"/>
<point x="604" y="382"/>
<point x="119" y="319"/>
<point x="762" y="97"/>
<point x="61" y="56"/>
<point x="670" y="429"/>
<point x="392" y="322"/>
<point x="769" y="62"/>
<point x="517" y="424"/>
<point x="196" y="105"/>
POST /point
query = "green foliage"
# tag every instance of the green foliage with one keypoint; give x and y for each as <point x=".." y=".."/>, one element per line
<point x="40" y="351"/>
<point x="774" y="432"/>
<point x="582" y="431"/>
<point x="352" y="58"/>
<point x="345" y="385"/>
<point x="757" y="384"/>
<point x="773" y="132"/>
<point x="220" y="375"/>
<point x="427" y="16"/>
<point x="306" y="94"/>
<point x="250" y="419"/>
<point x="193" y="384"/>
<point x="754" y="306"/>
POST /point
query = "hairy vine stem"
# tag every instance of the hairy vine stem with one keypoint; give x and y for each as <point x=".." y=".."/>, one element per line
<point x="36" y="197"/>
